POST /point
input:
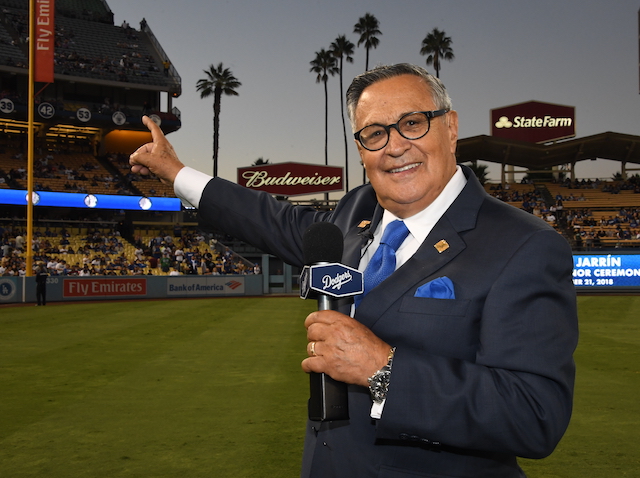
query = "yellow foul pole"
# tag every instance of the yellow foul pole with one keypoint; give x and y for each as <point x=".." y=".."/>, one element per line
<point x="30" y="148"/>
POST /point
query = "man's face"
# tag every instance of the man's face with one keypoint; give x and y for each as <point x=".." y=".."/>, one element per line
<point x="407" y="175"/>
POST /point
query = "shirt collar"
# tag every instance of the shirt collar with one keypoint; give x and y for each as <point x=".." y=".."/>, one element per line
<point x="420" y="224"/>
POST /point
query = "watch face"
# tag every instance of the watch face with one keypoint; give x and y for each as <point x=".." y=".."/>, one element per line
<point x="145" y="203"/>
<point x="90" y="200"/>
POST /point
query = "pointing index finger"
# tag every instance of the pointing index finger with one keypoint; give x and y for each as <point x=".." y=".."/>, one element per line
<point x="156" y="132"/>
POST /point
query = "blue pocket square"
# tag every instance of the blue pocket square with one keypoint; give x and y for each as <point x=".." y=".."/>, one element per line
<point x="440" y="288"/>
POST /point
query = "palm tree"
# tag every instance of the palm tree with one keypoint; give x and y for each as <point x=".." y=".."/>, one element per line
<point x="324" y="64"/>
<point x="342" y="49"/>
<point x="368" y="27"/>
<point x="438" y="46"/>
<point x="219" y="81"/>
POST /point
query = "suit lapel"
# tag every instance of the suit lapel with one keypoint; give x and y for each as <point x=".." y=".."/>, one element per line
<point x="358" y="236"/>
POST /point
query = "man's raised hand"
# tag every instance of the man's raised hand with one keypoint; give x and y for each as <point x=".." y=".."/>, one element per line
<point x="157" y="157"/>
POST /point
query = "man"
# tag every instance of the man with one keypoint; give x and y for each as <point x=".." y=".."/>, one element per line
<point x="41" y="285"/>
<point x="475" y="379"/>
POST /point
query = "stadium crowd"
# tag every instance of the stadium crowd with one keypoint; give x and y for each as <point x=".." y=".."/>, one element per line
<point x="106" y="253"/>
<point x="132" y="60"/>
<point x="614" y="186"/>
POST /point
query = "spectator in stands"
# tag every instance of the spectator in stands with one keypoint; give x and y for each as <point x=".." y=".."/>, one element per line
<point x="206" y="264"/>
<point x="589" y="241"/>
<point x="5" y="248"/>
<point x="19" y="242"/>
<point x="52" y="266"/>
<point x="578" y="241"/>
<point x="61" y="268"/>
<point x="153" y="262"/>
<point x="165" y="263"/>
<point x="179" y="256"/>
<point x="138" y="253"/>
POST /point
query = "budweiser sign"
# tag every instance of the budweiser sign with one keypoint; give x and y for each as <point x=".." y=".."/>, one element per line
<point x="291" y="179"/>
<point x="534" y="122"/>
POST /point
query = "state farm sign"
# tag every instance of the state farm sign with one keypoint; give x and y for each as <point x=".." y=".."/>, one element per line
<point x="534" y="122"/>
<point x="291" y="179"/>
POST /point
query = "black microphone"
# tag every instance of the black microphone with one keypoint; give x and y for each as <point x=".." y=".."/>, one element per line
<point x="323" y="277"/>
<point x="322" y="243"/>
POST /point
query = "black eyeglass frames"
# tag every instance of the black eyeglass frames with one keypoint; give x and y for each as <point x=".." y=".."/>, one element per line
<point x="413" y="125"/>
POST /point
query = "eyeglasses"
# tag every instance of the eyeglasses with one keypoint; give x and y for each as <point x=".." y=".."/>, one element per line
<point x="410" y="126"/>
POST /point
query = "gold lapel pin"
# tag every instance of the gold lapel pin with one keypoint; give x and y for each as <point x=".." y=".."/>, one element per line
<point x="364" y="224"/>
<point x="441" y="246"/>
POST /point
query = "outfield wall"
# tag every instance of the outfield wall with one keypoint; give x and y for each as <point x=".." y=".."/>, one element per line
<point x="592" y="272"/>
<point x="67" y="288"/>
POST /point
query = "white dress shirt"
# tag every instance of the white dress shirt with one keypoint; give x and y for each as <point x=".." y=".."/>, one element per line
<point x="189" y="185"/>
<point x="419" y="226"/>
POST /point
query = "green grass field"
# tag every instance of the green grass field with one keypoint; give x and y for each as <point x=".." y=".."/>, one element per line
<point x="213" y="387"/>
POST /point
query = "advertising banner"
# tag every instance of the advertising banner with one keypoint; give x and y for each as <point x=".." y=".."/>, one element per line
<point x="534" y="122"/>
<point x="291" y="179"/>
<point x="44" y="40"/>
<point x="205" y="285"/>
<point x="104" y="287"/>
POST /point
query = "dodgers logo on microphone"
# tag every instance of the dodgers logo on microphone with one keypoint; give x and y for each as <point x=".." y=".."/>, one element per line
<point x="336" y="280"/>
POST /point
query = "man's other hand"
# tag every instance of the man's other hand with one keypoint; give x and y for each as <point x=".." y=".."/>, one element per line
<point x="343" y="348"/>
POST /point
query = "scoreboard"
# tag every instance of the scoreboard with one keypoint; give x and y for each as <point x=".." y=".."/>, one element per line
<point x="606" y="271"/>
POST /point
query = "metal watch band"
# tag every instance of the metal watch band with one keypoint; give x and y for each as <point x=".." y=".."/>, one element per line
<point x="379" y="381"/>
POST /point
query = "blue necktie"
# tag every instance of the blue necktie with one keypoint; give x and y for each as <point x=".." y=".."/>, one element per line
<point x="383" y="262"/>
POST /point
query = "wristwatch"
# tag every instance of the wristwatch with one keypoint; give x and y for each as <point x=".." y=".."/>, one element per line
<point x="379" y="381"/>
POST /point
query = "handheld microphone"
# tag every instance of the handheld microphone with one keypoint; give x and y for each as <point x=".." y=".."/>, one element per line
<point x="324" y="277"/>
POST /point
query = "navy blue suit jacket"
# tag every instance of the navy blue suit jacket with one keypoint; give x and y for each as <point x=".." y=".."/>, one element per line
<point x="477" y="380"/>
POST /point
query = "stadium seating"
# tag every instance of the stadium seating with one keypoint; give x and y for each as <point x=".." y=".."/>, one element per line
<point x="10" y="53"/>
<point x="82" y="172"/>
<point x="591" y="215"/>
<point x="86" y="47"/>
<point x="104" y="252"/>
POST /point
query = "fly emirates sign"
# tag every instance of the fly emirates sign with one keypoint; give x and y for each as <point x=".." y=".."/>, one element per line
<point x="534" y="122"/>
